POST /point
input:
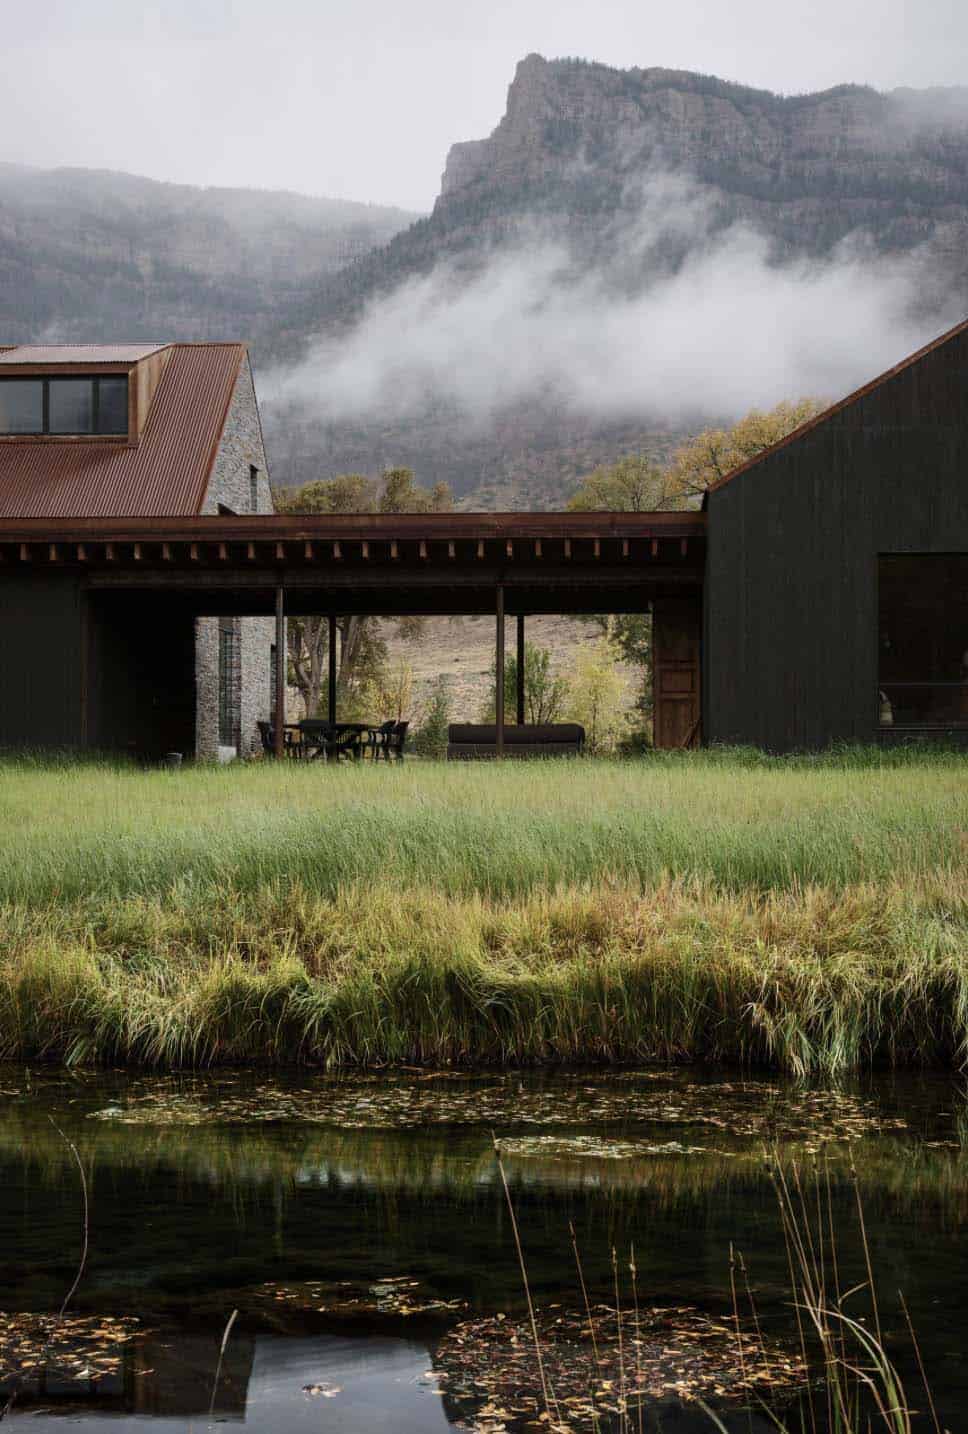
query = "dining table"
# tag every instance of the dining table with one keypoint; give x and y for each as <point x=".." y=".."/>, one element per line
<point x="318" y="734"/>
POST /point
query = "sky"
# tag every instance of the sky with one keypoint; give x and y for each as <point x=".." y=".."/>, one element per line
<point x="362" y="100"/>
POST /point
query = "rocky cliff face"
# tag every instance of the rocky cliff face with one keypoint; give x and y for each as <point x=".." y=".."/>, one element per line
<point x="809" y="168"/>
<point x="575" y="158"/>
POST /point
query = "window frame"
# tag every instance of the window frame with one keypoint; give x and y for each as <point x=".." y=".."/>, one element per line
<point x="229" y="677"/>
<point x="932" y="724"/>
<point x="95" y="379"/>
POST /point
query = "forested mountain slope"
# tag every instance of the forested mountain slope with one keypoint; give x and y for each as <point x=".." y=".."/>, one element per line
<point x="92" y="255"/>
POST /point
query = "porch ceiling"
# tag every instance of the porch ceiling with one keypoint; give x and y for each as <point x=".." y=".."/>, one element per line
<point x="373" y="563"/>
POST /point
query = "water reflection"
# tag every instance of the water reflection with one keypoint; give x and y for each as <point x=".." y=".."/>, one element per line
<point x="209" y="1196"/>
<point x="168" y="1382"/>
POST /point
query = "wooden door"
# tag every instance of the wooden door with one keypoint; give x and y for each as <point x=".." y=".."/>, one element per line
<point x="676" y="629"/>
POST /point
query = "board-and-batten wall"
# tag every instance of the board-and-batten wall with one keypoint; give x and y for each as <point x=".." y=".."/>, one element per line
<point x="110" y="672"/>
<point x="41" y="663"/>
<point x="790" y="640"/>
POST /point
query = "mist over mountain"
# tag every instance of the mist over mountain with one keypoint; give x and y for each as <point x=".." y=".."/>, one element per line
<point x="90" y="255"/>
<point x="630" y="254"/>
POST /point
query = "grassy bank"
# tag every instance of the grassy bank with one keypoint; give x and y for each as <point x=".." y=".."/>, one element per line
<point x="810" y="915"/>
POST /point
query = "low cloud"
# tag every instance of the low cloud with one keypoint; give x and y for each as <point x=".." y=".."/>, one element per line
<point x="675" y="317"/>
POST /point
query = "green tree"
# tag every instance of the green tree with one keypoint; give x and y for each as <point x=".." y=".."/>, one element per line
<point x="544" y="690"/>
<point x="402" y="495"/>
<point x="347" y="493"/>
<point x="597" y="695"/>
<point x="634" y="484"/>
<point x="362" y="653"/>
<point x="430" y="738"/>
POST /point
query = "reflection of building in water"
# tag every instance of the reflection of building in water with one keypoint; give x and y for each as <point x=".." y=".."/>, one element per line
<point x="321" y="1383"/>
<point x="161" y="1375"/>
<point x="175" y="1374"/>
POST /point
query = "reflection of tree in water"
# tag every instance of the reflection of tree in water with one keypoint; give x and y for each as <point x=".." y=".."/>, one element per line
<point x="192" y="1220"/>
<point x="598" y="1369"/>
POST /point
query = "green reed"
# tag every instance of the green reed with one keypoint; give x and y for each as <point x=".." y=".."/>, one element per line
<point x="738" y="819"/>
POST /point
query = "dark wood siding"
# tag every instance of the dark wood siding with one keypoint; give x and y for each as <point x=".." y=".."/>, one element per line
<point x="142" y="660"/>
<point x="40" y="662"/>
<point x="791" y="590"/>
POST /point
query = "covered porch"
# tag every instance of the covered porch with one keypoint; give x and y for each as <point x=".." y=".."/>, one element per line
<point x="157" y="576"/>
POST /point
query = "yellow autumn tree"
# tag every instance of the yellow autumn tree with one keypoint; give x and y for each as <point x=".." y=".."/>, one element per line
<point x="701" y="462"/>
<point x="597" y="695"/>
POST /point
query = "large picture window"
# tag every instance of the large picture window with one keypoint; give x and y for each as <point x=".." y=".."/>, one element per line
<point x="923" y="641"/>
<point x="65" y="406"/>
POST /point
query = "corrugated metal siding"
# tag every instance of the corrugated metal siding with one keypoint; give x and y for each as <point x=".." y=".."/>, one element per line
<point x="165" y="476"/>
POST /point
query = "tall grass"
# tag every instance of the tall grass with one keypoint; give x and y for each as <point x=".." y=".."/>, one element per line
<point x="739" y="820"/>
<point x="809" y="915"/>
<point x="805" y="980"/>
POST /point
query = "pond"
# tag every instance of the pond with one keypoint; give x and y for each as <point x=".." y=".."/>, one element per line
<point x="338" y="1254"/>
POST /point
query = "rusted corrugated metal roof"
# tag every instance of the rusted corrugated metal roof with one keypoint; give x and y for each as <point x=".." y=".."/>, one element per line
<point x="165" y="476"/>
<point x="77" y="353"/>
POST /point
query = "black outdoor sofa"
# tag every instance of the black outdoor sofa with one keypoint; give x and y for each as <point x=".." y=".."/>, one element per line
<point x="466" y="740"/>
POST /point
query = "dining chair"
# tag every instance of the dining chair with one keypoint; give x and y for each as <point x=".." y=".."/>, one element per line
<point x="378" y="737"/>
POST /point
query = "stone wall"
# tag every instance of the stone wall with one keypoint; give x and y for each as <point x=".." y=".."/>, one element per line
<point x="241" y="448"/>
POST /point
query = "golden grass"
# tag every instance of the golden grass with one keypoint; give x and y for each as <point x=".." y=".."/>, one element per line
<point x="802" y="980"/>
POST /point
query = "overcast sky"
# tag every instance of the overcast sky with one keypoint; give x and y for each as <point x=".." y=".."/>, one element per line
<point x="360" y="99"/>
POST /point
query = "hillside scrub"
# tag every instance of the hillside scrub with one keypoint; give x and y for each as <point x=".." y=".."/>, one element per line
<point x="809" y="914"/>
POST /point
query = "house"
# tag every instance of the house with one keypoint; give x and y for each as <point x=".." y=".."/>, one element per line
<point x="143" y="432"/>
<point x="820" y="596"/>
<point x="835" y="600"/>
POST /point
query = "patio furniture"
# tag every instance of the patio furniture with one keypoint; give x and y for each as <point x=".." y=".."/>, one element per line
<point x="466" y="740"/>
<point x="333" y="740"/>
<point x="376" y="739"/>
<point x="396" y="741"/>
<point x="290" y="737"/>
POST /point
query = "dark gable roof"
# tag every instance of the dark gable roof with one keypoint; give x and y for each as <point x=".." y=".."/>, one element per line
<point x="843" y="403"/>
<point x="165" y="476"/>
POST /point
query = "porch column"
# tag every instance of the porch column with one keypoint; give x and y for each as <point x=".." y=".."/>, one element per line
<point x="499" y="674"/>
<point x="279" y="733"/>
<point x="520" y="673"/>
<point x="331" y="709"/>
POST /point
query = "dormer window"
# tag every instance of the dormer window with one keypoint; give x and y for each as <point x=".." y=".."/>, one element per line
<point x="68" y="406"/>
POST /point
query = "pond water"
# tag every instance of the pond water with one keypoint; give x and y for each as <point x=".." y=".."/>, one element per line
<point x="337" y="1254"/>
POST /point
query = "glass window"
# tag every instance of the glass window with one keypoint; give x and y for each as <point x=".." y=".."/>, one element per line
<point x="71" y="405"/>
<point x="112" y="408"/>
<point x="65" y="405"/>
<point x="228" y="681"/>
<point x="22" y="405"/>
<point x="923" y="641"/>
<point x="253" y="488"/>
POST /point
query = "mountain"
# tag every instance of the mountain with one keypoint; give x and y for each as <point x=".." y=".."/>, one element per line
<point x="91" y="254"/>
<point x="598" y="188"/>
<point x="575" y="160"/>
